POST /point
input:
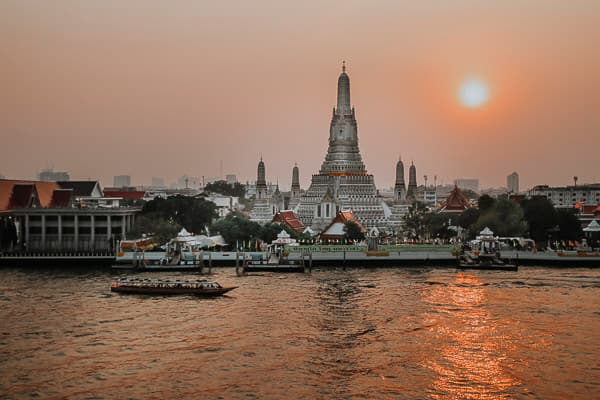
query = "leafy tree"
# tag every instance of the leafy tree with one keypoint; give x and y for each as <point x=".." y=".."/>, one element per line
<point x="161" y="229"/>
<point x="414" y="220"/>
<point x="540" y="216"/>
<point x="194" y="214"/>
<point x="236" y="228"/>
<point x="468" y="217"/>
<point x="227" y="189"/>
<point x="486" y="202"/>
<point x="353" y="232"/>
<point x="569" y="225"/>
<point x="437" y="225"/>
<point x="504" y="218"/>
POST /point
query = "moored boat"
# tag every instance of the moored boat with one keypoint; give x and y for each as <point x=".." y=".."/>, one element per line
<point x="169" y="287"/>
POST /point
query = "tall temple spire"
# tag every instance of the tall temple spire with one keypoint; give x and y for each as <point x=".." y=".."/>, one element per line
<point x="343" y="155"/>
<point x="261" y="181"/>
<point x="399" y="186"/>
<point x="295" y="179"/>
<point x="343" y="100"/>
<point x="412" y="181"/>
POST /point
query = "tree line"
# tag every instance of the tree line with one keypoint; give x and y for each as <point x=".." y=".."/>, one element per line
<point x="535" y="218"/>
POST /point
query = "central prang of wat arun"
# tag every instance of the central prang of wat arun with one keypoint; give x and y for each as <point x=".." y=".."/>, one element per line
<point x="343" y="182"/>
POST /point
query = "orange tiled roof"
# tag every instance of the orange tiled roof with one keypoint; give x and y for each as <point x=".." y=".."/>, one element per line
<point x="347" y="216"/>
<point x="290" y="219"/>
<point x="44" y="191"/>
<point x="456" y="200"/>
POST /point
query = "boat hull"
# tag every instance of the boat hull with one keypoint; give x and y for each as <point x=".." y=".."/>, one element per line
<point x="505" y="267"/>
<point x="207" y="292"/>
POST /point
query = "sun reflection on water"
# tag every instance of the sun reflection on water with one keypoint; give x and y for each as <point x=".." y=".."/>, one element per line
<point x="469" y="356"/>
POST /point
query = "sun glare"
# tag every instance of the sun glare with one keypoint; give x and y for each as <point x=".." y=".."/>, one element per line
<point x="473" y="93"/>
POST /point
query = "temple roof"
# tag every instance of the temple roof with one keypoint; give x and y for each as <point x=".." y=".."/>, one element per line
<point x="336" y="227"/>
<point x="456" y="201"/>
<point x="290" y="219"/>
<point x="61" y="198"/>
<point x="43" y="190"/>
<point x="23" y="196"/>
<point x="80" y="188"/>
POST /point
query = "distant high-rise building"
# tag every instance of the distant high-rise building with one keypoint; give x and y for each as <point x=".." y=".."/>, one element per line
<point x="512" y="183"/>
<point x="120" y="181"/>
<point x="158" y="182"/>
<point x="189" y="182"/>
<point x="467" y="183"/>
<point x="231" y="179"/>
<point x="49" y="175"/>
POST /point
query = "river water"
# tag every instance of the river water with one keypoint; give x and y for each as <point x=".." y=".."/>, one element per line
<point x="411" y="333"/>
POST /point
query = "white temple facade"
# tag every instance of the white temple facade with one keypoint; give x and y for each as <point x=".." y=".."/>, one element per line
<point x="343" y="182"/>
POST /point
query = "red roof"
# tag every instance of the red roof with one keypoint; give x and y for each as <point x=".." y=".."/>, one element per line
<point x="456" y="201"/>
<point x="62" y="198"/>
<point x="23" y="196"/>
<point x="587" y="209"/>
<point x="290" y="219"/>
<point x="44" y="191"/>
<point x="346" y="216"/>
<point x="125" y="194"/>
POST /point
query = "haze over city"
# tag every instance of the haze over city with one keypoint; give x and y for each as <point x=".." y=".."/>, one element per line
<point x="149" y="88"/>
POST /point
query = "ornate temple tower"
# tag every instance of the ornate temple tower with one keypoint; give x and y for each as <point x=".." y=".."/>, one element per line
<point x="264" y="207"/>
<point x="295" y="189"/>
<point x="343" y="181"/>
<point x="412" y="182"/>
<point x="399" y="186"/>
<point x="261" y="181"/>
<point x="295" y="181"/>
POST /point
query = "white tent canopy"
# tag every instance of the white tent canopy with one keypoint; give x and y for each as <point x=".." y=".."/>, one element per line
<point x="486" y="232"/>
<point x="283" y="238"/>
<point x="593" y="226"/>
<point x="184" y="233"/>
<point x="283" y="235"/>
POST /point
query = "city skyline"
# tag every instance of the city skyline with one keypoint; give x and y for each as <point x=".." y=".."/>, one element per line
<point x="160" y="89"/>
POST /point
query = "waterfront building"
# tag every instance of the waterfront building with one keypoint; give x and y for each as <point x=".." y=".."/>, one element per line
<point x="62" y="216"/>
<point x="121" y="181"/>
<point x="467" y="183"/>
<point x="49" y="175"/>
<point x="569" y="196"/>
<point x="343" y="182"/>
<point x="512" y="183"/>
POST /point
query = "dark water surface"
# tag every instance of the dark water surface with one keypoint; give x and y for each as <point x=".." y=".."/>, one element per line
<point x="360" y="334"/>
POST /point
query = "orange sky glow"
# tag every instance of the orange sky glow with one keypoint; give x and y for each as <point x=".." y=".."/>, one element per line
<point x="167" y="88"/>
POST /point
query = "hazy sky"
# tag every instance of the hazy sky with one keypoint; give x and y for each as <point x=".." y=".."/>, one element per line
<point x="166" y="88"/>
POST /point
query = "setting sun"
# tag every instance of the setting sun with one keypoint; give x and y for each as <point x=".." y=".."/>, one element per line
<point x="473" y="93"/>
